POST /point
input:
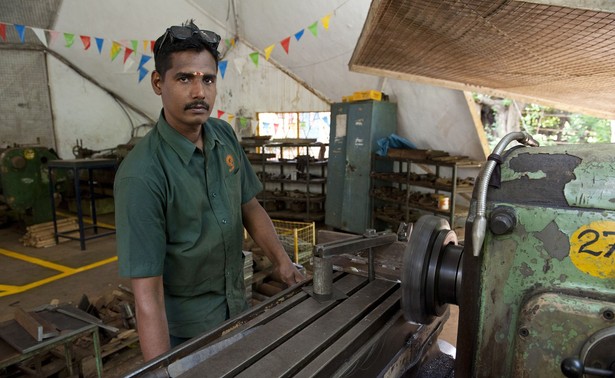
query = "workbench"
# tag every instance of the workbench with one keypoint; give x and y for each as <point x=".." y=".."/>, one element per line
<point x="16" y="345"/>
<point x="76" y="166"/>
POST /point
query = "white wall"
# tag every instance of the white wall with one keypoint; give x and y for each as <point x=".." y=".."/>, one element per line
<point x="83" y="111"/>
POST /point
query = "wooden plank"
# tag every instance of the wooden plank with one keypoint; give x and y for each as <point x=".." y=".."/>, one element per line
<point x="263" y="339"/>
<point x="289" y="357"/>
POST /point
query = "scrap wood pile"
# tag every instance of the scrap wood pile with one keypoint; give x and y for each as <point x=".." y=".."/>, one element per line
<point x="42" y="235"/>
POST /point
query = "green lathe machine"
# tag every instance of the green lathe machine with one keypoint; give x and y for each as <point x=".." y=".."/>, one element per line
<point x="535" y="280"/>
<point x="24" y="184"/>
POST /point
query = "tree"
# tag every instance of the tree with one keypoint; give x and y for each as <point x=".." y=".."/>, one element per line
<point x="547" y="125"/>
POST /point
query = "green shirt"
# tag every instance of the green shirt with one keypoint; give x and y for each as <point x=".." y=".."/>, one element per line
<point x="178" y="214"/>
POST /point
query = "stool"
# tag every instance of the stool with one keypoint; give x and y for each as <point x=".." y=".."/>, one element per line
<point x="76" y="165"/>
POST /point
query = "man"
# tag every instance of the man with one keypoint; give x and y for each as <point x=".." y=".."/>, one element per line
<point x="183" y="197"/>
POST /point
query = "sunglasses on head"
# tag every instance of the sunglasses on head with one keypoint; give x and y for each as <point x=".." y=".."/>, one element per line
<point x="185" y="32"/>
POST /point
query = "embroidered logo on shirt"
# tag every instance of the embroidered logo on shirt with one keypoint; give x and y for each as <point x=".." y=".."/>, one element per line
<point x="230" y="162"/>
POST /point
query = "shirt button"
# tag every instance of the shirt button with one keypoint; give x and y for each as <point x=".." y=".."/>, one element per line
<point x="224" y="221"/>
<point x="213" y="195"/>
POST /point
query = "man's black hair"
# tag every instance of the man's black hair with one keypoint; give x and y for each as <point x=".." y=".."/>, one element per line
<point x="163" y="51"/>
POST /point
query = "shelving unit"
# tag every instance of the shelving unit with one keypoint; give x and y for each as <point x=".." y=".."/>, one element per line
<point x="402" y="194"/>
<point x="293" y="188"/>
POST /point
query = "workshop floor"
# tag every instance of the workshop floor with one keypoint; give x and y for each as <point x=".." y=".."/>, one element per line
<point x="32" y="277"/>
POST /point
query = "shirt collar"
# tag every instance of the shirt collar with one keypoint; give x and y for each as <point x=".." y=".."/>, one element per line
<point x="180" y="144"/>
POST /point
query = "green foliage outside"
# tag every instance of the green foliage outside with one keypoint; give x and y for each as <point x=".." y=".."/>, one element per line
<point x="547" y="125"/>
<point x="551" y="126"/>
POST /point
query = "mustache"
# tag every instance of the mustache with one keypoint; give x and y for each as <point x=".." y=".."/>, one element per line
<point x="198" y="103"/>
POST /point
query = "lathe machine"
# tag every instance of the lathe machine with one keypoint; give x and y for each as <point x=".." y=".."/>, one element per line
<point x="534" y="281"/>
<point x="24" y="184"/>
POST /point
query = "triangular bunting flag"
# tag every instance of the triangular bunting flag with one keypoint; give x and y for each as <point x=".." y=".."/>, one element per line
<point x="243" y="122"/>
<point x="230" y="42"/>
<point x="285" y="43"/>
<point x="21" y="30"/>
<point x="254" y="57"/>
<point x="239" y="63"/>
<point x="142" y="73"/>
<point x="145" y="45"/>
<point x="115" y="50"/>
<point x="3" y="31"/>
<point x="128" y="63"/>
<point x="222" y="67"/>
<point x="53" y="35"/>
<point x="268" y="51"/>
<point x="86" y="41"/>
<point x="144" y="59"/>
<point x="220" y="113"/>
<point x="314" y="28"/>
<point x="299" y="34"/>
<point x="127" y="53"/>
<point x="134" y="43"/>
<point x="99" y="44"/>
<point x="152" y="43"/>
<point x="69" y="39"/>
<point x="40" y="33"/>
<point x="230" y="118"/>
<point x="325" y="21"/>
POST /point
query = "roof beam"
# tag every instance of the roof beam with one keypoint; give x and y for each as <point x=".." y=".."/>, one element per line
<point x="593" y="5"/>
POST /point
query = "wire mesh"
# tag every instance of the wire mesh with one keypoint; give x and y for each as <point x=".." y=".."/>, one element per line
<point x="554" y="53"/>
<point x="298" y="239"/>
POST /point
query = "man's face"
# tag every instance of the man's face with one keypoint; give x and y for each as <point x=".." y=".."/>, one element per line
<point x="188" y="89"/>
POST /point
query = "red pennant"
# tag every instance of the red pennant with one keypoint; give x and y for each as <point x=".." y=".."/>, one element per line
<point x="152" y="45"/>
<point x="285" y="43"/>
<point x="127" y="53"/>
<point x="220" y="113"/>
<point x="86" y="41"/>
<point x="3" y="31"/>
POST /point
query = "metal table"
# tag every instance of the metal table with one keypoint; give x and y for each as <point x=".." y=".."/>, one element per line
<point x="23" y="346"/>
<point x="76" y="165"/>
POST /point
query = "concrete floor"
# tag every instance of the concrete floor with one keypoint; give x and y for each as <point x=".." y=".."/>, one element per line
<point x="94" y="282"/>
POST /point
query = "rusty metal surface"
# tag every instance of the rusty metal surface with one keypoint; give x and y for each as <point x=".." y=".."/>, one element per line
<point x="551" y="324"/>
<point x="563" y="246"/>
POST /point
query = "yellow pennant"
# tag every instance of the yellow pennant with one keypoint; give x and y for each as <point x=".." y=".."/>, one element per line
<point x="268" y="51"/>
<point x="325" y="21"/>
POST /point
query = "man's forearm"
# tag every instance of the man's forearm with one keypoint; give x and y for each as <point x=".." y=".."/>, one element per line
<point x="153" y="334"/>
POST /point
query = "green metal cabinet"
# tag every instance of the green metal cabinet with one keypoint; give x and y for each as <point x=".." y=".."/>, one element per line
<point x="356" y="128"/>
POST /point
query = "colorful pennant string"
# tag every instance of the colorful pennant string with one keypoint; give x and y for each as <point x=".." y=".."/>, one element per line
<point x="148" y="46"/>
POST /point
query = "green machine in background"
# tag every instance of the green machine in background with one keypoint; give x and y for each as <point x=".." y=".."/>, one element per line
<point x="24" y="184"/>
<point x="535" y="280"/>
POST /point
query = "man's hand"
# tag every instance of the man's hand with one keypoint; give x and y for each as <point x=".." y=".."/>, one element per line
<point x="287" y="273"/>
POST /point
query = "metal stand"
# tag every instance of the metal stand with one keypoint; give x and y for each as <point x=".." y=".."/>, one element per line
<point x="75" y="165"/>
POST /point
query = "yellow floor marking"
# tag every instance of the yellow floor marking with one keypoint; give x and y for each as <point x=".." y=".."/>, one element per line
<point x="37" y="261"/>
<point x="66" y="271"/>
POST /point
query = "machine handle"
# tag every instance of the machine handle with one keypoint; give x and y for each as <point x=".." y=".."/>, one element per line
<point x="573" y="367"/>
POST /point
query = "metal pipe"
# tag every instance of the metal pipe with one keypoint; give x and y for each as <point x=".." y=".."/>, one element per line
<point x="323" y="278"/>
<point x="480" y="222"/>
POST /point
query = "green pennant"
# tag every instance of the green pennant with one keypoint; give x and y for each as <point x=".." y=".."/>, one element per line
<point x="314" y="28"/>
<point x="69" y="38"/>
<point x="243" y="122"/>
<point x="254" y="57"/>
<point x="135" y="44"/>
